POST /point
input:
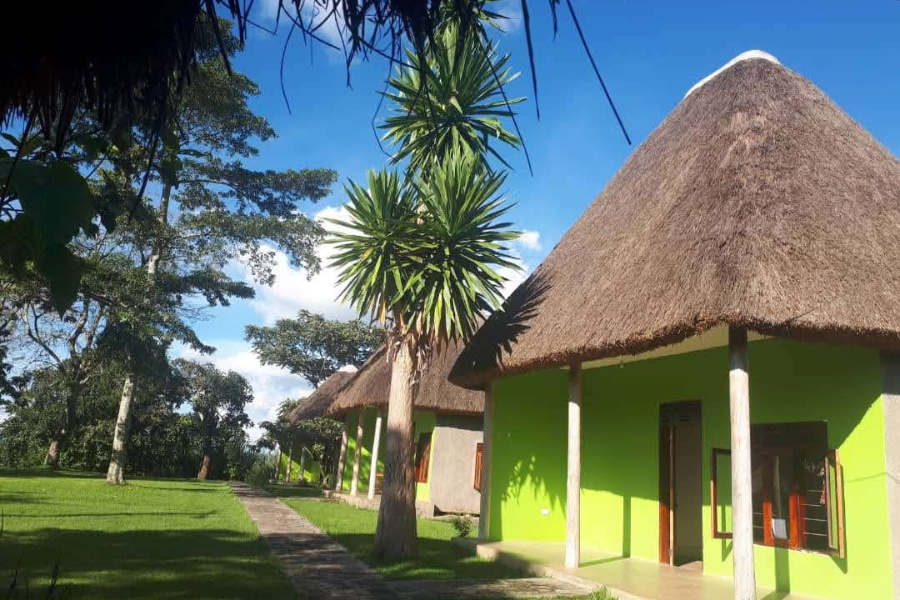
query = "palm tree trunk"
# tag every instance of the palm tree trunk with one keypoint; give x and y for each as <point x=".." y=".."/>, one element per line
<point x="395" y="536"/>
<point x="116" y="472"/>
<point x="121" y="434"/>
<point x="278" y="465"/>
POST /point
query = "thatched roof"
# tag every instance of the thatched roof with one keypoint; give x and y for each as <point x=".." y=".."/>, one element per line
<point x="317" y="403"/>
<point x="756" y="203"/>
<point x="372" y="386"/>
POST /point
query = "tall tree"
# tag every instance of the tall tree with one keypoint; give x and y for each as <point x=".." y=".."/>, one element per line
<point x="314" y="347"/>
<point x="211" y="208"/>
<point x="219" y="403"/>
<point x="422" y="255"/>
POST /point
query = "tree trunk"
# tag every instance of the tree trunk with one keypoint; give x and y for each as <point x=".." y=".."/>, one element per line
<point x="204" y="467"/>
<point x="118" y="460"/>
<point x="395" y="536"/>
<point x="116" y="472"/>
<point x="278" y="465"/>
<point x="52" y="459"/>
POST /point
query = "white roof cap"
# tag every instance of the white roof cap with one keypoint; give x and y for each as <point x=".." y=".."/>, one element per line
<point x="748" y="55"/>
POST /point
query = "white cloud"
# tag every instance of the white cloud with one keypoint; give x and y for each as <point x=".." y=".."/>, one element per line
<point x="530" y="240"/>
<point x="294" y="290"/>
<point x="271" y="385"/>
<point x="328" y="25"/>
<point x="512" y="10"/>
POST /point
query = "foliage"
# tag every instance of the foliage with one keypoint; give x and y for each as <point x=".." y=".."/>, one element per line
<point x="438" y="558"/>
<point x="312" y="346"/>
<point x="260" y="472"/>
<point x="218" y="401"/>
<point x="462" y="524"/>
<point x="168" y="438"/>
<point x="151" y="539"/>
<point x="450" y="100"/>
<point x="426" y="255"/>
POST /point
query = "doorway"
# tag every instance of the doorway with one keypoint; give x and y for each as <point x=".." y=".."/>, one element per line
<point x="680" y="483"/>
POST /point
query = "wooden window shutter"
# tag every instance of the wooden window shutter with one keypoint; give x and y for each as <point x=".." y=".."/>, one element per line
<point x="834" y="502"/>
<point x="423" y="454"/>
<point x="479" y="456"/>
<point x="720" y="493"/>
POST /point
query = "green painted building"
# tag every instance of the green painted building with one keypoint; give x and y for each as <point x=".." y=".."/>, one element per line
<point x="448" y="437"/>
<point x="296" y="462"/>
<point x="704" y="372"/>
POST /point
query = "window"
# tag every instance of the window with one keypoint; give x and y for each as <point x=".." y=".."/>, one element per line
<point x="479" y="454"/>
<point x="797" y="489"/>
<point x="423" y="454"/>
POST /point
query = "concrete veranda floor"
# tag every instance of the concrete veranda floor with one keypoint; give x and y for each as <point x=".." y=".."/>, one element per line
<point x="631" y="579"/>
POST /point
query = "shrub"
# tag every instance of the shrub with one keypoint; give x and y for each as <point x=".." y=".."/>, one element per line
<point x="260" y="472"/>
<point x="462" y="524"/>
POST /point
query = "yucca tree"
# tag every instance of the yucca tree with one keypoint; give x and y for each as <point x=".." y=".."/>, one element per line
<point x="460" y="104"/>
<point x="421" y="252"/>
<point x="423" y="258"/>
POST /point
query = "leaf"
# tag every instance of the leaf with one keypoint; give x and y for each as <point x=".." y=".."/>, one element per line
<point x="56" y="197"/>
<point x="63" y="272"/>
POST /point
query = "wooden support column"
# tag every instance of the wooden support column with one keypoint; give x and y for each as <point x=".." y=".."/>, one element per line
<point x="342" y="461"/>
<point x="357" y="455"/>
<point x="890" y="400"/>
<point x="376" y="442"/>
<point x="573" y="479"/>
<point x="302" y="477"/>
<point x="484" y="517"/>
<point x="741" y="481"/>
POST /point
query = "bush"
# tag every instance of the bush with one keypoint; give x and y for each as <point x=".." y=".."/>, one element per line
<point x="260" y="472"/>
<point x="462" y="524"/>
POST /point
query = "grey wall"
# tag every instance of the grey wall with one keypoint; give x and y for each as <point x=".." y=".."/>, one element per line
<point x="453" y="463"/>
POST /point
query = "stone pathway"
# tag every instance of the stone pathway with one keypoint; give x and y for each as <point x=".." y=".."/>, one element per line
<point x="319" y="567"/>
<point x="322" y="569"/>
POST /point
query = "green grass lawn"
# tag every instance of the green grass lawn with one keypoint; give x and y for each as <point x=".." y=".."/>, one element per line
<point x="438" y="558"/>
<point x="150" y="539"/>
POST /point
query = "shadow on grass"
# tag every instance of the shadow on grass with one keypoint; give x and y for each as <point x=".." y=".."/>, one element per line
<point x="437" y="559"/>
<point x="46" y="473"/>
<point x="294" y="491"/>
<point x="210" y="563"/>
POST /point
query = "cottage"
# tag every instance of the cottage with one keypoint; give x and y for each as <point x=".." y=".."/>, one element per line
<point x="313" y="406"/>
<point x="704" y="372"/>
<point x="448" y="434"/>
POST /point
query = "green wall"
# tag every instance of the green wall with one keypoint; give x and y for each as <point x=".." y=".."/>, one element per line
<point x="789" y="381"/>
<point x="424" y="421"/>
<point x="365" y="464"/>
<point x="312" y="468"/>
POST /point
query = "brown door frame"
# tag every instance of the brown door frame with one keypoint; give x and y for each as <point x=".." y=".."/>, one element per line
<point x="666" y="492"/>
<point x="669" y="414"/>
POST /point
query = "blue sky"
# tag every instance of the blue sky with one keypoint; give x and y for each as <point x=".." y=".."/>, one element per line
<point x="650" y="53"/>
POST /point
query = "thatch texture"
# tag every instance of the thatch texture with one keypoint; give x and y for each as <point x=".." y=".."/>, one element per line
<point x="757" y="203"/>
<point x="318" y="403"/>
<point x="372" y="387"/>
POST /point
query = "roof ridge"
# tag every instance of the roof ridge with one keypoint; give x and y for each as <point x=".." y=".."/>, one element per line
<point x="748" y="55"/>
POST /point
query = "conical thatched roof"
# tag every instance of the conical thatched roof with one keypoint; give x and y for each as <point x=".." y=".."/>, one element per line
<point x="372" y="386"/>
<point x="317" y="403"/>
<point x="756" y="203"/>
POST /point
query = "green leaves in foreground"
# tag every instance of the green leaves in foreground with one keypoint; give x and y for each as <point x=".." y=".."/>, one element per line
<point x="56" y="203"/>
<point x="426" y="255"/>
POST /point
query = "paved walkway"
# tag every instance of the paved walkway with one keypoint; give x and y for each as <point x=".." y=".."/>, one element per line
<point x="322" y="569"/>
